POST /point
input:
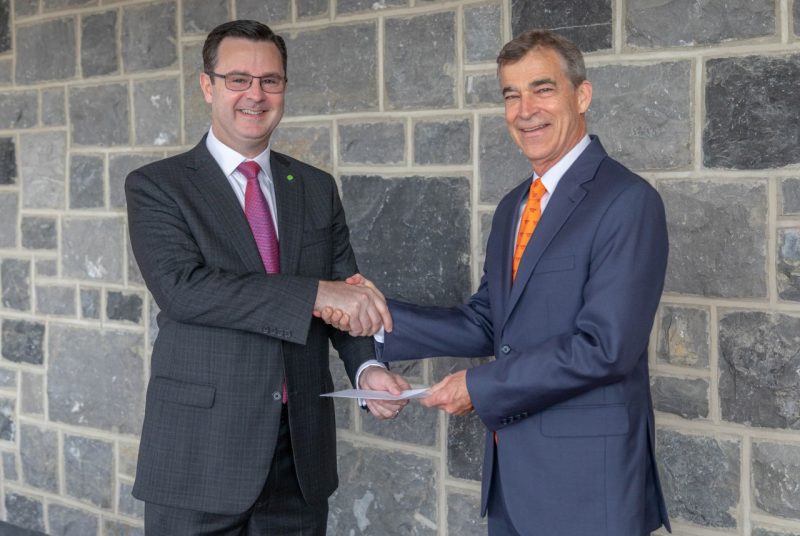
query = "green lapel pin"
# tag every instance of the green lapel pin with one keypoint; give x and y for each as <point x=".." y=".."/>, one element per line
<point x="289" y="178"/>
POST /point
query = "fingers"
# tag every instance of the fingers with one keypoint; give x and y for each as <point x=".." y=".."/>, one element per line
<point x="385" y="409"/>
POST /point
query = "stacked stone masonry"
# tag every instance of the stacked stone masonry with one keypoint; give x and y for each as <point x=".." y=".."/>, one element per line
<point x="399" y="100"/>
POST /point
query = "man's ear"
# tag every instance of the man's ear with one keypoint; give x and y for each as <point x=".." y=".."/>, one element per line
<point x="207" y="85"/>
<point x="584" y="91"/>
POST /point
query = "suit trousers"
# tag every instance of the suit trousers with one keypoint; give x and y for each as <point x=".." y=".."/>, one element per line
<point x="280" y="509"/>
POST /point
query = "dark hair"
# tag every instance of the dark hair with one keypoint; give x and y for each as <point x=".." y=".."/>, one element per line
<point x="242" y="29"/>
<point x="571" y="57"/>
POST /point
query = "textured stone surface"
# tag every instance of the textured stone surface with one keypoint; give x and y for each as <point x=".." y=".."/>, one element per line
<point x="8" y="219"/>
<point x="683" y="336"/>
<point x="419" y="62"/>
<point x="43" y="167"/>
<point x="372" y="143"/>
<point x="99" y="44"/>
<point x="355" y="6"/>
<point x="46" y="51"/>
<point x="152" y="328"/>
<point x="129" y="505"/>
<point x="318" y="87"/>
<point x="39" y="456"/>
<point x="416" y="424"/>
<point x="790" y="194"/>
<point x="642" y="113"/>
<point x="796" y="17"/>
<point x="464" y="514"/>
<point x="687" y="398"/>
<point x="39" y="232"/>
<point x="411" y="235"/>
<point x="15" y="275"/>
<point x="96" y="378"/>
<point x="126" y="307"/>
<point x="486" y="228"/>
<point x="18" y="109"/>
<point x="689" y="23"/>
<point x="8" y="161"/>
<point x="8" y="427"/>
<point x="5" y="25"/>
<point x="196" y="112"/>
<point x="23" y="341"/>
<point x="32" y="393"/>
<point x="365" y="504"/>
<point x="586" y="22"/>
<point x="442" y="142"/>
<point x="115" y="528"/>
<point x="149" y="37"/>
<point x="8" y="378"/>
<point x="46" y="268"/>
<point x="717" y="235"/>
<point x="465" y="445"/>
<point x="6" y="72"/>
<point x="119" y="165"/>
<point x="482" y="32"/>
<point x="776" y="472"/>
<point x="53" y="5"/>
<point x="758" y="362"/>
<point x="700" y="478"/>
<point x="88" y="468"/>
<point x="758" y="531"/>
<point x="92" y="248"/>
<point x="10" y="473"/>
<point x="202" y="16"/>
<point x="311" y="144"/>
<point x="134" y="274"/>
<point x="788" y="264"/>
<point x="86" y="181"/>
<point x="311" y="8"/>
<point x="482" y="90"/>
<point x="25" y="8"/>
<point x="128" y="455"/>
<point x="751" y="105"/>
<point x="90" y="128"/>
<point x="272" y="12"/>
<point x="157" y="109"/>
<point x="90" y="303"/>
<point x="502" y="166"/>
<point x="55" y="300"/>
<point x="71" y="521"/>
<point x="25" y="512"/>
<point x="54" y="109"/>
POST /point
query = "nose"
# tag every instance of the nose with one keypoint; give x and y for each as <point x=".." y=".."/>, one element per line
<point x="527" y="105"/>
<point x="254" y="92"/>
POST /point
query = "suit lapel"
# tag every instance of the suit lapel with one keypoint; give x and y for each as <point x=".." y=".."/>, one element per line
<point x="289" y="198"/>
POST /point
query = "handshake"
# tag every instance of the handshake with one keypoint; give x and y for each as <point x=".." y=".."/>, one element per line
<point x="354" y="305"/>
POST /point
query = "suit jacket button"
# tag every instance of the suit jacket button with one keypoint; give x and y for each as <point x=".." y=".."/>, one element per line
<point x="505" y="349"/>
<point x="276" y="396"/>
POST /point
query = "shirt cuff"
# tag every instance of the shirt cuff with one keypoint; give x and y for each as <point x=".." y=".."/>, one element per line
<point x="362" y="368"/>
<point x="379" y="335"/>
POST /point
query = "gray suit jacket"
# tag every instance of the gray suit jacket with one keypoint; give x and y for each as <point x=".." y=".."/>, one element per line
<point x="228" y="333"/>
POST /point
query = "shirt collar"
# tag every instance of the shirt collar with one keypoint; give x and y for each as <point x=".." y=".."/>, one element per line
<point x="229" y="160"/>
<point x="553" y="175"/>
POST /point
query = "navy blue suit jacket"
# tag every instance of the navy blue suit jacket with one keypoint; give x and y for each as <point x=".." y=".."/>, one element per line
<point x="568" y="393"/>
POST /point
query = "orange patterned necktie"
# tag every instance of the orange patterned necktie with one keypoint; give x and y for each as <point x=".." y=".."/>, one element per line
<point x="530" y="218"/>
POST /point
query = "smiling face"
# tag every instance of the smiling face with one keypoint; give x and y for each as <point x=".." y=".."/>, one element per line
<point x="544" y="112"/>
<point x="244" y="120"/>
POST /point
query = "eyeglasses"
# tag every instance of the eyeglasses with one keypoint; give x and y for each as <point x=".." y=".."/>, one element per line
<point x="272" y="83"/>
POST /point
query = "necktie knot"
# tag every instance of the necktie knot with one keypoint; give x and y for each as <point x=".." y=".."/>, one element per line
<point x="249" y="169"/>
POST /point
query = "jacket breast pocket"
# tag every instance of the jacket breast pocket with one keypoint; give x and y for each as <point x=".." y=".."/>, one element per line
<point x="585" y="421"/>
<point x="183" y="393"/>
<point x="555" y="264"/>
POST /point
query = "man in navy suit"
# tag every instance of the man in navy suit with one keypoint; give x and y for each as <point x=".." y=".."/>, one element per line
<point x="575" y="265"/>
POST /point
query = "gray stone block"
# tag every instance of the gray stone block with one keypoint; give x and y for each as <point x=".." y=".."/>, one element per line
<point x="46" y="51"/>
<point x="319" y="87"/>
<point x="149" y="37"/>
<point x="88" y="470"/>
<point x="482" y="32"/>
<point x="759" y="531"/>
<point x="642" y="114"/>
<point x="411" y="235"/>
<point x="86" y="181"/>
<point x="356" y="6"/>
<point x="796" y="16"/>
<point x="776" y="472"/>
<point x="419" y="62"/>
<point x="8" y="378"/>
<point x="116" y="528"/>
<point x="466" y="438"/>
<point x="54" y="108"/>
<point x="128" y="456"/>
<point x="681" y="23"/>
<point x="416" y="424"/>
<point x="99" y="44"/>
<point x="5" y="25"/>
<point x="157" y="109"/>
<point x="54" y="5"/>
<point x="55" y="300"/>
<point x="586" y="22"/>
<point x="8" y="427"/>
<point x="10" y="473"/>
<point x="39" y="232"/>
<point x="700" y="478"/>
<point x="272" y="12"/>
<point x="23" y="341"/>
<point x="717" y="237"/>
<point x="758" y="364"/>
<point x="196" y="112"/>
<point x="107" y="129"/>
<point x="25" y="8"/>
<point x="128" y="504"/>
<point x="365" y="504"/>
<point x="683" y="397"/>
<point x="134" y="274"/>
<point x="43" y="158"/>
<point x="202" y="16"/>
<point x="39" y="456"/>
<point x="312" y="8"/>
<point x="25" y="512"/>
<point x="67" y="521"/>
<point x="18" y="109"/>
<point x="750" y="105"/>
<point x="486" y="228"/>
<point x="442" y="142"/>
<point x="683" y="336"/>
<point x="46" y="268"/>
<point x="502" y="165"/>
<point x="372" y="143"/>
<point x="790" y="195"/>
<point x="8" y="219"/>
<point x="32" y="393"/>
<point x="343" y="406"/>
<point x="8" y="161"/>
<point x="92" y="249"/>
<point x="119" y="165"/>
<point x="311" y="144"/>
<point x="15" y="275"/>
<point x="482" y="90"/>
<point x="464" y="514"/>
<point x="788" y="264"/>
<point x="124" y="307"/>
<point x="90" y="303"/>
<point x="96" y="378"/>
<point x="6" y="72"/>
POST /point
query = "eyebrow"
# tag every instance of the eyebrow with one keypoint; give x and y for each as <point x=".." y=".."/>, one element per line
<point x="532" y="84"/>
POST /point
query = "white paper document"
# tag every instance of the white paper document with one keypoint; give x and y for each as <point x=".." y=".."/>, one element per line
<point x="379" y="395"/>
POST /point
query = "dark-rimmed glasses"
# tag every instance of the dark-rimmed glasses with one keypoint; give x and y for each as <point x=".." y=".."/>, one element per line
<point x="271" y="83"/>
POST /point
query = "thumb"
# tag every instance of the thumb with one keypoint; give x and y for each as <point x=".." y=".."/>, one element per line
<point x="355" y="279"/>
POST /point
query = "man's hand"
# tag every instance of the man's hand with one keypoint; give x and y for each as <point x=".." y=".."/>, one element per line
<point x="358" y="309"/>
<point x="380" y="379"/>
<point x="450" y="395"/>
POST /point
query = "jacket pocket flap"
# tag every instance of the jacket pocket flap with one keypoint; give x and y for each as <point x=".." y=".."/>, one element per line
<point x="555" y="264"/>
<point x="187" y="394"/>
<point x="585" y="421"/>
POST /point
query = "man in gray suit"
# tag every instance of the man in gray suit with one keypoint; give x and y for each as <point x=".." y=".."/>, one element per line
<point x="239" y="245"/>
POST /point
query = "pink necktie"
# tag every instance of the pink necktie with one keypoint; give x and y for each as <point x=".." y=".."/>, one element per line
<point x="258" y="216"/>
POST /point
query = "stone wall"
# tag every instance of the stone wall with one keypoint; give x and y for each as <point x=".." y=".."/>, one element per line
<point x="399" y="99"/>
